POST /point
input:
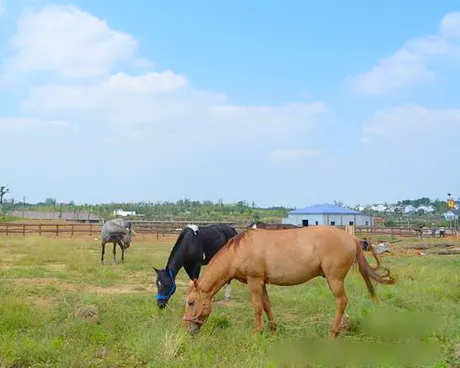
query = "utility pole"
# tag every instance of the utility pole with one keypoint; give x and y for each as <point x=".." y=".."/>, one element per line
<point x="451" y="207"/>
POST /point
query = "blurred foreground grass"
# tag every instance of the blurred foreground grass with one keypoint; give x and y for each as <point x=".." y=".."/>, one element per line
<point x="45" y="281"/>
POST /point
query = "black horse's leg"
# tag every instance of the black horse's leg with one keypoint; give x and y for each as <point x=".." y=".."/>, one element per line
<point x="196" y="271"/>
<point x="103" y="252"/>
<point x="189" y="270"/>
<point x="193" y="270"/>
<point x="114" y="252"/>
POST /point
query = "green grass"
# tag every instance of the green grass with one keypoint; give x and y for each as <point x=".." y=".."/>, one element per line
<point x="5" y="218"/>
<point x="44" y="281"/>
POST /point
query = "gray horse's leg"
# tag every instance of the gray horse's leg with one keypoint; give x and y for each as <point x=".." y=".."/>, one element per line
<point x="103" y="252"/>
<point x="114" y="253"/>
<point x="228" y="291"/>
<point x="122" y="246"/>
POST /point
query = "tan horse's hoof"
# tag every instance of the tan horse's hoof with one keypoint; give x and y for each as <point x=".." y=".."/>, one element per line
<point x="258" y="332"/>
<point x="346" y="322"/>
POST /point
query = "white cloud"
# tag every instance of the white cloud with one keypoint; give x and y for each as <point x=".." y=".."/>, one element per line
<point x="450" y="25"/>
<point x="29" y="136"/>
<point x="408" y="151"/>
<point x="10" y="126"/>
<point x="413" y="126"/>
<point x="159" y="105"/>
<point x="409" y="65"/>
<point x="67" y="41"/>
<point x="118" y="98"/>
<point x="85" y="55"/>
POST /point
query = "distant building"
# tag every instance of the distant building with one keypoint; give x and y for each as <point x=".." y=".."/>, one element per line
<point x="123" y="213"/>
<point x="81" y="216"/>
<point x="379" y="208"/>
<point x="327" y="214"/>
<point x="426" y="209"/>
<point x="450" y="215"/>
<point x="410" y="210"/>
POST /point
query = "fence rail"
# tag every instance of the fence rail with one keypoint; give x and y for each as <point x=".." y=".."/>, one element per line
<point x="142" y="227"/>
<point x="164" y="228"/>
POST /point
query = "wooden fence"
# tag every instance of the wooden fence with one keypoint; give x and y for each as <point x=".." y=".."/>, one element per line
<point x="163" y="228"/>
<point x="157" y="228"/>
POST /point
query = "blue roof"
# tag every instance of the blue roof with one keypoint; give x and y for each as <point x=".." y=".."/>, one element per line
<point x="325" y="208"/>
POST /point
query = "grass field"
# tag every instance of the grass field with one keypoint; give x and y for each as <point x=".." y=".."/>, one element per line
<point x="46" y="283"/>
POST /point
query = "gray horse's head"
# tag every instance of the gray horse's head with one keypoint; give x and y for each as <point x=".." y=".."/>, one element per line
<point x="128" y="237"/>
<point x="127" y="240"/>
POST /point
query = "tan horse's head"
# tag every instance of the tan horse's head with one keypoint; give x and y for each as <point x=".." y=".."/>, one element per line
<point x="197" y="307"/>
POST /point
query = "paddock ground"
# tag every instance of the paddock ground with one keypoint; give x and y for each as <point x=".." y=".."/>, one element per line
<point x="46" y="282"/>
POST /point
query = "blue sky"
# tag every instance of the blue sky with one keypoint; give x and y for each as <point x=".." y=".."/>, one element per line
<point x="281" y="105"/>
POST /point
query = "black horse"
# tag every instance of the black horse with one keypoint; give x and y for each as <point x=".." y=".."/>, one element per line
<point x="195" y="247"/>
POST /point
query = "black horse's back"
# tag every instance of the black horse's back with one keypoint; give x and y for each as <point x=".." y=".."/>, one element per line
<point x="228" y="230"/>
<point x="263" y="225"/>
<point x="195" y="247"/>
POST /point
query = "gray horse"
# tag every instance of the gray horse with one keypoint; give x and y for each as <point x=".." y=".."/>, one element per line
<point x="116" y="231"/>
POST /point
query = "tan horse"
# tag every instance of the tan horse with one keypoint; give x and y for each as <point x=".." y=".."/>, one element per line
<point x="285" y="257"/>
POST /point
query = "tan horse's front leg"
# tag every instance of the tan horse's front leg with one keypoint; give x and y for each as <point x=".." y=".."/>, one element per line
<point x="268" y="310"/>
<point x="256" y="286"/>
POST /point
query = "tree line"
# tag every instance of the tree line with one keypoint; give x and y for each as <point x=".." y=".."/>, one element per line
<point x="185" y="209"/>
<point x="181" y="209"/>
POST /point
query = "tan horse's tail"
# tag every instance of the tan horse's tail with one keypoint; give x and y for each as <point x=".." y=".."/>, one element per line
<point x="368" y="272"/>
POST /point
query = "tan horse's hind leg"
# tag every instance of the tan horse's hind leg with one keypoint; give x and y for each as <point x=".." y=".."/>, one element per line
<point x="268" y="310"/>
<point x="338" y="289"/>
<point x="257" y="290"/>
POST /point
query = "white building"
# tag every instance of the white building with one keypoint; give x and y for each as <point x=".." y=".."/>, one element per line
<point x="379" y="208"/>
<point x="450" y="216"/>
<point x="120" y="212"/>
<point x="327" y="214"/>
<point x="426" y="209"/>
<point x="408" y="210"/>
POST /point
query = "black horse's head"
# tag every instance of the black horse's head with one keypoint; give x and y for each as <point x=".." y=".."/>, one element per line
<point x="165" y="277"/>
<point x="166" y="286"/>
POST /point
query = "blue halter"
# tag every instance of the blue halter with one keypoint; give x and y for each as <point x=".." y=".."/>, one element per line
<point x="170" y="292"/>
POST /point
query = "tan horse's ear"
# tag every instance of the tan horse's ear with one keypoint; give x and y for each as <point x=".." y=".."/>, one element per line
<point x="193" y="284"/>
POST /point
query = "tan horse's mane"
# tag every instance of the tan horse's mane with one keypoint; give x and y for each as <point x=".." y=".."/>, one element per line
<point x="236" y="240"/>
<point x="234" y="243"/>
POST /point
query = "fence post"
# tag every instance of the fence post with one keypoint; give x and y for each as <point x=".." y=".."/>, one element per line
<point x="23" y="229"/>
<point x="90" y="229"/>
<point x="7" y="229"/>
<point x="40" y="229"/>
<point x="57" y="230"/>
<point x="71" y="230"/>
